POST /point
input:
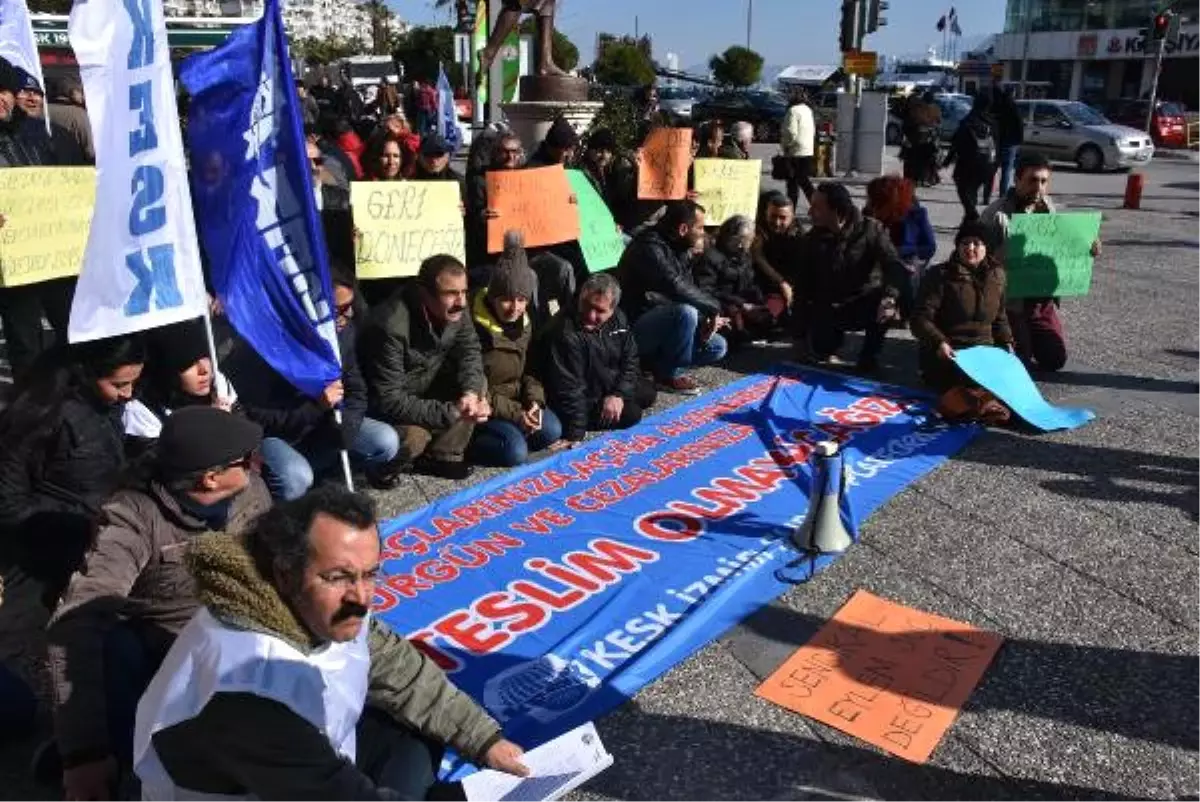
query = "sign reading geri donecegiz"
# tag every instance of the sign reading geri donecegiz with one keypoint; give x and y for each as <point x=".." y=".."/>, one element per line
<point x="47" y="213"/>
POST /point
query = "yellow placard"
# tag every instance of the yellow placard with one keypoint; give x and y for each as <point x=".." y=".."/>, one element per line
<point x="727" y="187"/>
<point x="402" y="223"/>
<point x="47" y="214"/>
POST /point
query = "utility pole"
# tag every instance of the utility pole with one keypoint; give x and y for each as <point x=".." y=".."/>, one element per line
<point x="496" y="71"/>
<point x="749" y="17"/>
<point x="860" y="26"/>
<point x="1164" y="26"/>
<point x="1025" y="54"/>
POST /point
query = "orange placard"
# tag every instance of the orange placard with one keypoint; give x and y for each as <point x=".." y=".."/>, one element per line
<point x="894" y="676"/>
<point x="663" y="168"/>
<point x="536" y="202"/>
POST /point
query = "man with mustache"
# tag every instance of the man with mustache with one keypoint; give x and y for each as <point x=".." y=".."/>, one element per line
<point x="421" y="359"/>
<point x="284" y="687"/>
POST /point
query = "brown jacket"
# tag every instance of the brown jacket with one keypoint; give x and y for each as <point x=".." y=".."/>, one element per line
<point x="134" y="573"/>
<point x="511" y="387"/>
<point x="962" y="306"/>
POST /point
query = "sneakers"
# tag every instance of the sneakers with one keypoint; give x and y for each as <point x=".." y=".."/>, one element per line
<point x="441" y="469"/>
<point x="680" y="385"/>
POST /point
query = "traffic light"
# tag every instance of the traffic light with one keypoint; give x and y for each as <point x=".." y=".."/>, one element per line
<point x="874" y="21"/>
<point x="1162" y="24"/>
<point x="849" y="35"/>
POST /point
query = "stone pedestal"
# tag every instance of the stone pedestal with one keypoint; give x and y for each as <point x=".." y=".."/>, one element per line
<point x="531" y="119"/>
<point x="566" y="88"/>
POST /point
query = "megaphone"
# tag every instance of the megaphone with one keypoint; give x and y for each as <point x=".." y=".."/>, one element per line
<point x="822" y="531"/>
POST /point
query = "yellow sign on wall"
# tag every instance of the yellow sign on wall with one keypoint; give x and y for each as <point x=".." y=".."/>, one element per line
<point x="47" y="215"/>
<point x="860" y="62"/>
<point x="402" y="223"/>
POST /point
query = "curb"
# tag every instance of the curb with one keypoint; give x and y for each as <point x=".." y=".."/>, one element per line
<point x="1177" y="155"/>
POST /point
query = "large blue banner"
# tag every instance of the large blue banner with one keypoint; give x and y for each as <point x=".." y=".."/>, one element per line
<point x="556" y="591"/>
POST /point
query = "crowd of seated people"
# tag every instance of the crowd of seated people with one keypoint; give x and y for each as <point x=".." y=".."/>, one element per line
<point x="118" y="454"/>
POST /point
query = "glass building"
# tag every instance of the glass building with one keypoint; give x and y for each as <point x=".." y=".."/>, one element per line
<point x="1095" y="50"/>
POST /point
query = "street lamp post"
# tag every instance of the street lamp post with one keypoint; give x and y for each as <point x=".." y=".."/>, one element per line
<point x="749" y="17"/>
<point x="1025" y="53"/>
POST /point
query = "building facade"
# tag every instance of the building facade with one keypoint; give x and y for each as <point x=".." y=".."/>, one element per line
<point x="1095" y="50"/>
<point x="304" y="19"/>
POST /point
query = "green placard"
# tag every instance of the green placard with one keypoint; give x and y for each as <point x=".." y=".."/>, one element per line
<point x="1050" y="255"/>
<point x="601" y="243"/>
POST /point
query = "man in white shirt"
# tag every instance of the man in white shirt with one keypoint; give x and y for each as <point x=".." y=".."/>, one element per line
<point x="797" y="141"/>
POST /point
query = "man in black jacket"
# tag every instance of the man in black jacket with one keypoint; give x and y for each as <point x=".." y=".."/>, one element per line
<point x="674" y="321"/>
<point x="590" y="365"/>
<point x="433" y="164"/>
<point x="1010" y="133"/>
<point x="852" y="279"/>
<point x="302" y="438"/>
<point x="25" y="143"/>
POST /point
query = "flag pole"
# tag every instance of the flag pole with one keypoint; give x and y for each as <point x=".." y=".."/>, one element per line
<point x="212" y="343"/>
<point x="337" y="417"/>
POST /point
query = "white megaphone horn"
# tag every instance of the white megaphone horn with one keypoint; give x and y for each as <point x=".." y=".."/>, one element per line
<point x="822" y="531"/>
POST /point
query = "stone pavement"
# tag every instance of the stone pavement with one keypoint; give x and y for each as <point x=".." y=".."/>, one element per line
<point x="1080" y="548"/>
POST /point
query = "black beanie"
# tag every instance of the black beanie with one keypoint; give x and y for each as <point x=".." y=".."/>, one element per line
<point x="10" y="79"/>
<point x="512" y="276"/>
<point x="562" y="134"/>
<point x="175" y="348"/>
<point x="976" y="229"/>
<point x="199" y="439"/>
<point x="602" y="139"/>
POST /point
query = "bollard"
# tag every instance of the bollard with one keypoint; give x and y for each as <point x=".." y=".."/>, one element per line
<point x="1133" y="190"/>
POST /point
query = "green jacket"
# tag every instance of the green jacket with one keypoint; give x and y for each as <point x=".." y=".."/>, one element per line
<point x="401" y="355"/>
<point x="511" y="387"/>
<point x="241" y="743"/>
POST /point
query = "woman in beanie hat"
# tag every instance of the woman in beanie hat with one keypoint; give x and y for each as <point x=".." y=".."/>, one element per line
<point x="179" y="373"/>
<point x="961" y="303"/>
<point x="520" y="421"/>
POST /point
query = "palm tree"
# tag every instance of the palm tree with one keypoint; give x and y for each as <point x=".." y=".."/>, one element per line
<point x="464" y="12"/>
<point x="381" y="17"/>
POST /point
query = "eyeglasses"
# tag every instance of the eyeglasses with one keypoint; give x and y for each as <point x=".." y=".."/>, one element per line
<point x="348" y="580"/>
<point x="345" y="311"/>
<point x="512" y="151"/>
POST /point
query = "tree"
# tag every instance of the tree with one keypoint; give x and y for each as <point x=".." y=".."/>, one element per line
<point x="381" y="19"/>
<point x="737" y="66"/>
<point x="564" y="51"/>
<point x="315" y="51"/>
<point x="422" y="49"/>
<point x="624" y="64"/>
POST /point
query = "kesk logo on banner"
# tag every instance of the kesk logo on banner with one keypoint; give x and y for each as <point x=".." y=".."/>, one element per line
<point x="727" y="187"/>
<point x="402" y="223"/>
<point x="556" y="591"/>
<point x="142" y="265"/>
<point x="46" y="212"/>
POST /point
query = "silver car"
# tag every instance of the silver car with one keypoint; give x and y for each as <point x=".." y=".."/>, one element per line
<point x="676" y="102"/>
<point x="1068" y="131"/>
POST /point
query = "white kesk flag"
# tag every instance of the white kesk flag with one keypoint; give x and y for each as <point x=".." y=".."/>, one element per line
<point x="17" y="44"/>
<point x="142" y="265"/>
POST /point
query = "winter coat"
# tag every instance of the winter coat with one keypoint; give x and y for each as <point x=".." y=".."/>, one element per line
<point x="841" y="268"/>
<point x="799" y="131"/>
<point x="52" y="484"/>
<point x="776" y="257"/>
<point x="728" y="278"/>
<point x="238" y="741"/>
<point x="618" y="186"/>
<point x="654" y="271"/>
<point x="961" y="305"/>
<point x="512" y="387"/>
<point x="1010" y="128"/>
<point x="448" y="174"/>
<point x="402" y="354"/>
<point x="25" y="143"/>
<point x="284" y="412"/>
<point x="74" y="122"/>
<point x="582" y="367"/>
<point x="913" y="236"/>
<point x="972" y="149"/>
<point x="134" y="574"/>
<point x="352" y="145"/>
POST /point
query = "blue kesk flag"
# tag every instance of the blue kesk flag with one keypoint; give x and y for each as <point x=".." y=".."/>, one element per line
<point x="256" y="207"/>
<point x="447" y="123"/>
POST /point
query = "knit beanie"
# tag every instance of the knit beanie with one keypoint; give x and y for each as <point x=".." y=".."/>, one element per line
<point x="199" y="439"/>
<point x="10" y="78"/>
<point x="561" y="134"/>
<point x="974" y="229"/>
<point x="174" y="349"/>
<point x="512" y="276"/>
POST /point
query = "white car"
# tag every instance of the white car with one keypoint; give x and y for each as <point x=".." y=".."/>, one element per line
<point x="1069" y="131"/>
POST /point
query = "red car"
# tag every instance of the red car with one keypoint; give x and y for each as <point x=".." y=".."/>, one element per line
<point x="1168" y="126"/>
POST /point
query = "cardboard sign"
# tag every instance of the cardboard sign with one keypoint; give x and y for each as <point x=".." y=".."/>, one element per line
<point x="888" y="674"/>
<point x="402" y="223"/>
<point x="599" y="239"/>
<point x="47" y="214"/>
<point x="536" y="202"/>
<point x="727" y="187"/>
<point x="663" y="167"/>
<point x="1050" y="255"/>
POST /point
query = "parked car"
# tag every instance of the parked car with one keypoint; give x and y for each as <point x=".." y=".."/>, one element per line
<point x="1069" y="131"/>
<point x="1168" y="126"/>
<point x="676" y="102"/>
<point x="953" y="108"/>
<point x="763" y="110"/>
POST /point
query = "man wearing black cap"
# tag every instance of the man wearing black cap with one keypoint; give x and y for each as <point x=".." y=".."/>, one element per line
<point x="433" y="163"/>
<point x="558" y="147"/>
<point x="24" y="142"/>
<point x="123" y="609"/>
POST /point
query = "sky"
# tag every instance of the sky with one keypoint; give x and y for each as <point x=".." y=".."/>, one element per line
<point x="783" y="31"/>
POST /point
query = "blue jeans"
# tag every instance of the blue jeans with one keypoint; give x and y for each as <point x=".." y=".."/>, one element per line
<point x="291" y="470"/>
<point x="666" y="338"/>
<point x="1007" y="157"/>
<point x="502" y="444"/>
<point x="130" y="662"/>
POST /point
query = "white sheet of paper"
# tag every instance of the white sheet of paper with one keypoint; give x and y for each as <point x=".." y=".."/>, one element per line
<point x="556" y="767"/>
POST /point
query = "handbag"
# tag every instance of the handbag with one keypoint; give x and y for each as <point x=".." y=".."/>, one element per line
<point x="781" y="167"/>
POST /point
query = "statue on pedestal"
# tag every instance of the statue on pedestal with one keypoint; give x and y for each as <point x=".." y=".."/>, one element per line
<point x="510" y="15"/>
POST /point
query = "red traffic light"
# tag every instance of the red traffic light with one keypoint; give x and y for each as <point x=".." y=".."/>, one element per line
<point x="1161" y="23"/>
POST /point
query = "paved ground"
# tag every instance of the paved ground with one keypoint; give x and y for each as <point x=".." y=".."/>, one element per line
<point x="1080" y="548"/>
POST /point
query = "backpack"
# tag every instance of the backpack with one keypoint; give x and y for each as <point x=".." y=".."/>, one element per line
<point x="985" y="145"/>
